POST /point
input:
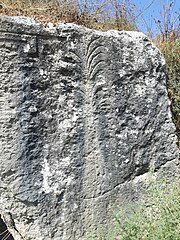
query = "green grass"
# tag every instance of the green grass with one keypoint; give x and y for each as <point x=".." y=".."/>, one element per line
<point x="157" y="217"/>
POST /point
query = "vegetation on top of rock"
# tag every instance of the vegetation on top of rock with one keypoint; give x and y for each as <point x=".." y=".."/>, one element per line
<point x="103" y="15"/>
<point x="110" y="14"/>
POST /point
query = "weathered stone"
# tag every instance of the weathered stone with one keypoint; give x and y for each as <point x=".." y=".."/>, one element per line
<point x="84" y="118"/>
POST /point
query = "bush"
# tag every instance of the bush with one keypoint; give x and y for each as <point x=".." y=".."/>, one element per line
<point x="171" y="51"/>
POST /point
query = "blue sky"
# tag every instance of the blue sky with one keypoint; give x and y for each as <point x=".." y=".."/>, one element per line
<point x="153" y="12"/>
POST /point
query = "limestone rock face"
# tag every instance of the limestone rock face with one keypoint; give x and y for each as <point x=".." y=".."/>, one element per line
<point x="84" y="117"/>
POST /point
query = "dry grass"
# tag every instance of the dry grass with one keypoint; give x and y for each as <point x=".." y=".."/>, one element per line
<point x="171" y="51"/>
<point x="105" y="15"/>
<point x="56" y="11"/>
<point x="45" y="11"/>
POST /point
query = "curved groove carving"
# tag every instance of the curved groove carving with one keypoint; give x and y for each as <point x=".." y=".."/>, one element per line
<point x="96" y="69"/>
<point x="90" y="43"/>
<point x="93" y="50"/>
<point x="77" y="57"/>
<point x="93" y="58"/>
<point x="79" y="123"/>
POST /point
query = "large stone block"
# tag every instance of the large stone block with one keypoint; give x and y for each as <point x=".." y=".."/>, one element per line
<point x="84" y="118"/>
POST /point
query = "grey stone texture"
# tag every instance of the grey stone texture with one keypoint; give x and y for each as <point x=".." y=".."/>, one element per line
<point x="84" y="122"/>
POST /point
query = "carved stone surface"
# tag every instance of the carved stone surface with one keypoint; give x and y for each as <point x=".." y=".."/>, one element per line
<point x="84" y="117"/>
